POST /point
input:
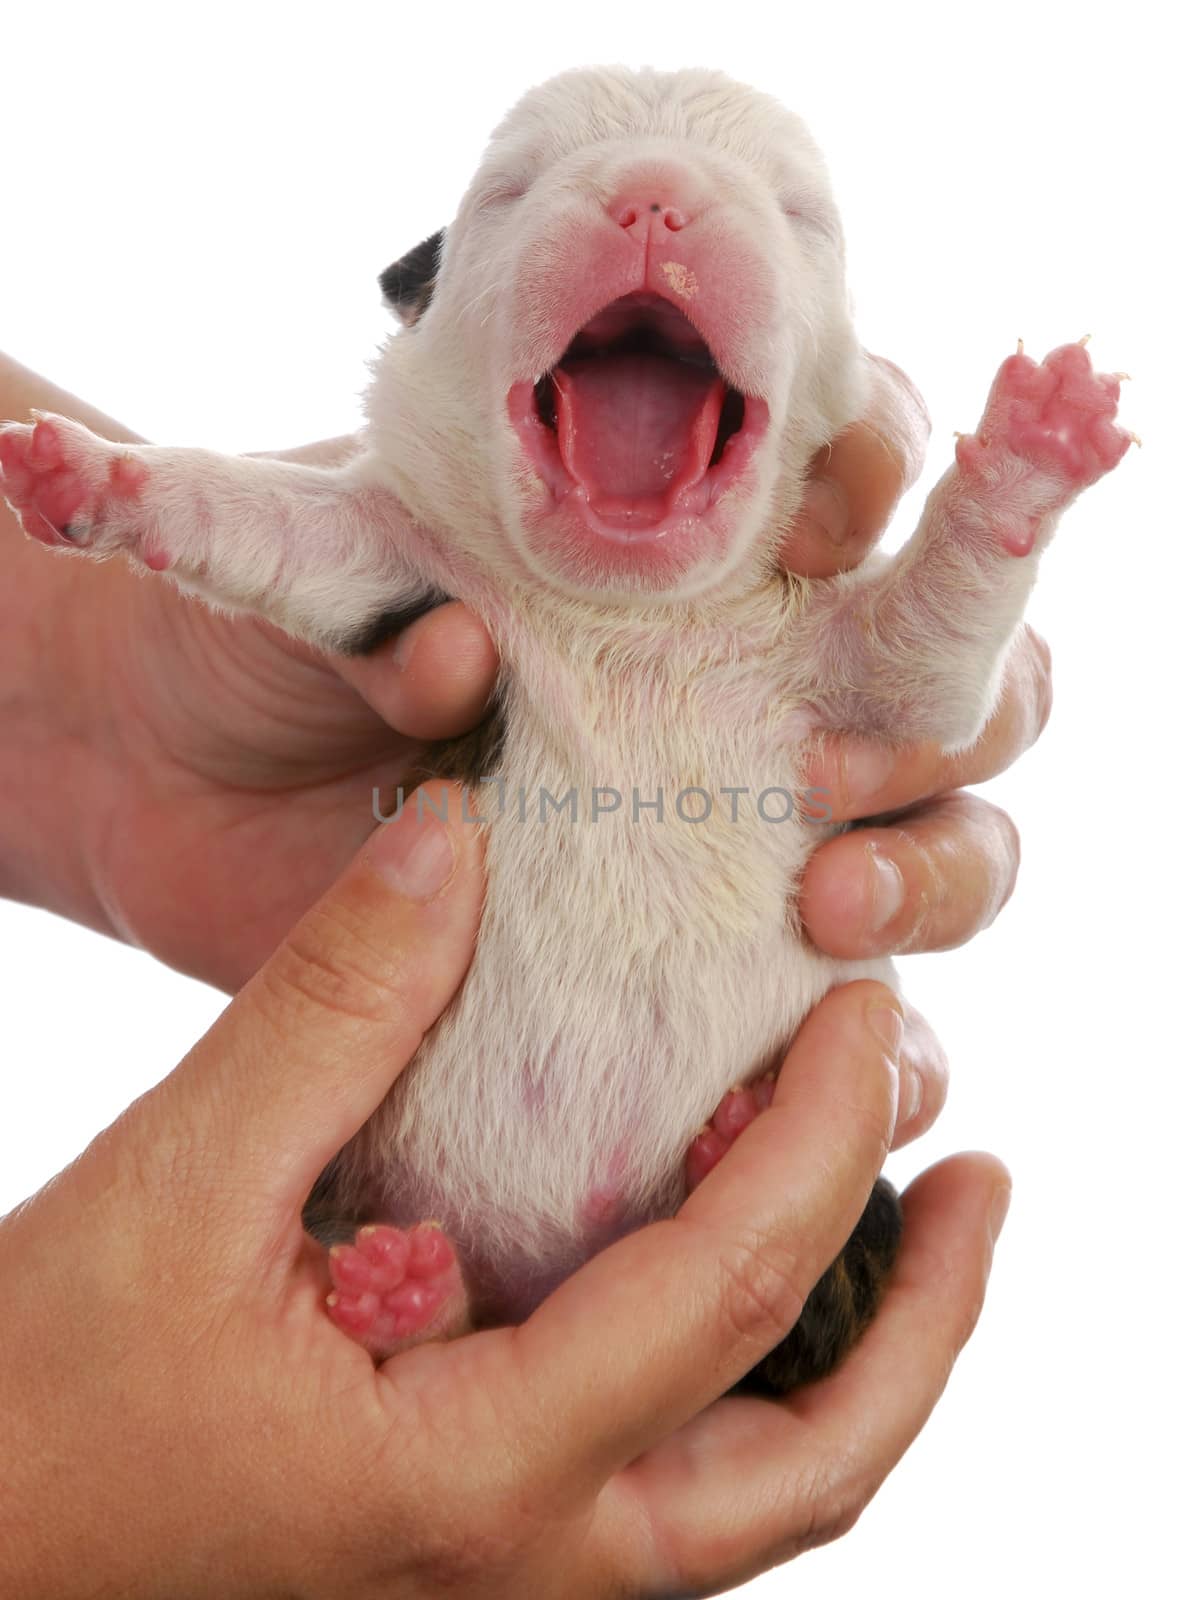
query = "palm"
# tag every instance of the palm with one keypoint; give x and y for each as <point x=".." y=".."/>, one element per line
<point x="241" y="768"/>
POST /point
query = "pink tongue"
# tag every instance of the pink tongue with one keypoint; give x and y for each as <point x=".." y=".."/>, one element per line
<point x="636" y="427"/>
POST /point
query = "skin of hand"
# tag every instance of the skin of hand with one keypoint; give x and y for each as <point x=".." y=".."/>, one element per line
<point x="182" y="1420"/>
<point x="215" y="776"/>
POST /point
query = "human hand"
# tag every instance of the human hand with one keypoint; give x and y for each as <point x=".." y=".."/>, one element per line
<point x="169" y="1374"/>
<point x="187" y="781"/>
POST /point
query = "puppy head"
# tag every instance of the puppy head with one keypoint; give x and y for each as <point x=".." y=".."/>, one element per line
<point x="629" y="342"/>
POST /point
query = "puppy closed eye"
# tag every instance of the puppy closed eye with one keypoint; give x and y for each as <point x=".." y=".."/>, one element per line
<point x="503" y="194"/>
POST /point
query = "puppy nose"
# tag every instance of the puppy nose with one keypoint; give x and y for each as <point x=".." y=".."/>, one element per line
<point x="647" y="210"/>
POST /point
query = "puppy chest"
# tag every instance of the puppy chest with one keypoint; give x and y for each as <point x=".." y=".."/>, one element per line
<point x="662" y="813"/>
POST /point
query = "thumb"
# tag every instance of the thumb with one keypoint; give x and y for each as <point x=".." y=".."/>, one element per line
<point x="856" y="482"/>
<point x="309" y="1048"/>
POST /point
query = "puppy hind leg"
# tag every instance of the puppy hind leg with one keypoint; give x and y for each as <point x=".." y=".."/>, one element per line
<point x="397" y="1287"/>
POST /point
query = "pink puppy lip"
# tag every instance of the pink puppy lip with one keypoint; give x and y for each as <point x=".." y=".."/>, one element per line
<point x="635" y="428"/>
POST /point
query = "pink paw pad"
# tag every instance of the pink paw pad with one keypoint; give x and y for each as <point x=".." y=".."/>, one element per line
<point x="57" y="486"/>
<point x="395" y="1286"/>
<point x="1057" y="415"/>
<point x="735" y="1112"/>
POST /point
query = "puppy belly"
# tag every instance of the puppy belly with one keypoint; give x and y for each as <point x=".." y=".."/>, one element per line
<point x="535" y="1154"/>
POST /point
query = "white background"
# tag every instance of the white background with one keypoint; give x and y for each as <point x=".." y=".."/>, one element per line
<point x="195" y="203"/>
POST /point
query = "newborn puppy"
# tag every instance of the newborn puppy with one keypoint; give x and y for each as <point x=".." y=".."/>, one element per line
<point x="593" y="428"/>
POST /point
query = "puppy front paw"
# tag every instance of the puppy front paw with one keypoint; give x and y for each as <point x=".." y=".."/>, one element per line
<point x="73" y="490"/>
<point x="1048" y="431"/>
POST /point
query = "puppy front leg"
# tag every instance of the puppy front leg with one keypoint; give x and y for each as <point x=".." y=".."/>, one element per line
<point x="914" y="650"/>
<point x="322" y="552"/>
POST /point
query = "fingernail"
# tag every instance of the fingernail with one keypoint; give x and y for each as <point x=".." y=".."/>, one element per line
<point x="999" y="1206"/>
<point x="910" y="1095"/>
<point x="889" y="891"/>
<point x="415" y="853"/>
<point x="826" y="509"/>
<point x="865" y="770"/>
<point x="886" y="1023"/>
<point x="404" y="646"/>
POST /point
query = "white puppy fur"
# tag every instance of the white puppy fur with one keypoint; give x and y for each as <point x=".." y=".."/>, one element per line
<point x="632" y="965"/>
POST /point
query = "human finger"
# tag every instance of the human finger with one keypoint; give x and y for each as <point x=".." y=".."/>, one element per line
<point x="858" y="479"/>
<point x="432" y="681"/>
<point x="308" y="1049"/>
<point x="928" y="880"/>
<point x="923" y="1078"/>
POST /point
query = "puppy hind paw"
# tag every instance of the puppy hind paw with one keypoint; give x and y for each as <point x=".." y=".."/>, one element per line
<point x="395" y="1287"/>
<point x="735" y="1112"/>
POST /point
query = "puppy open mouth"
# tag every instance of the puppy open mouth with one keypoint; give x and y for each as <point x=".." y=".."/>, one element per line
<point x="636" y="422"/>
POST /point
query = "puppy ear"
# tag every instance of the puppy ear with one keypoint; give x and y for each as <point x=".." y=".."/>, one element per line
<point x="408" y="283"/>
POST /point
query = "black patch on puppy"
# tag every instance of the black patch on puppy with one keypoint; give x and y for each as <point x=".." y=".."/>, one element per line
<point x="472" y="757"/>
<point x="388" y="623"/>
<point x="324" y="1215"/>
<point x="842" y="1304"/>
<point x="408" y="283"/>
